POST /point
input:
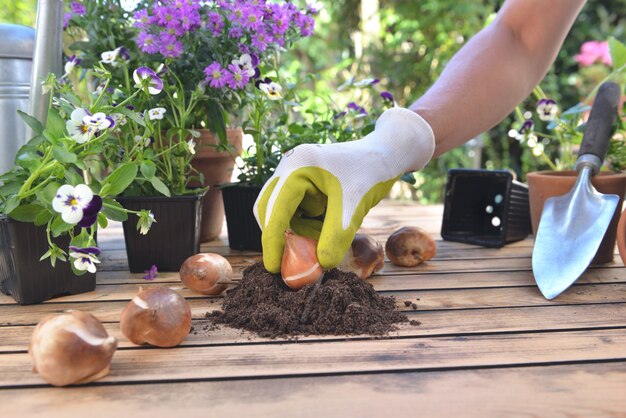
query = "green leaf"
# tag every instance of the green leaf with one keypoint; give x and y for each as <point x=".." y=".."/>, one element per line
<point x="618" y="53"/>
<point x="102" y="220"/>
<point x="27" y="213"/>
<point x="31" y="121"/>
<point x="148" y="169"/>
<point x="43" y="218"/>
<point x="113" y="210"/>
<point x="59" y="226"/>
<point x="55" y="124"/>
<point x="36" y="140"/>
<point x="160" y="186"/>
<point x="50" y="191"/>
<point x="62" y="155"/>
<point x="73" y="177"/>
<point x="131" y="115"/>
<point x="116" y="182"/>
<point x="11" y="203"/>
<point x="10" y="188"/>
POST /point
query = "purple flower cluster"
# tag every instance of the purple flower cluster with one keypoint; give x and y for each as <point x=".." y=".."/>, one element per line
<point x="77" y="9"/>
<point x="224" y="30"/>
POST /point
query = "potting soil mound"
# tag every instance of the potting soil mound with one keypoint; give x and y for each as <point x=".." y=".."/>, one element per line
<point x="342" y="304"/>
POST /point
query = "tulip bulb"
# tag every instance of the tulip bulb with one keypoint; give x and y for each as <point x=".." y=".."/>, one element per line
<point x="299" y="265"/>
<point x="71" y="348"/>
<point x="157" y="316"/>
<point x="410" y="246"/>
<point x="206" y="273"/>
<point x="365" y="256"/>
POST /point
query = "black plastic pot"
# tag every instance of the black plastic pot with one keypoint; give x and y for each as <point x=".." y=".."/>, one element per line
<point x="26" y="278"/>
<point x="243" y="230"/>
<point x="174" y="236"/>
<point x="485" y="207"/>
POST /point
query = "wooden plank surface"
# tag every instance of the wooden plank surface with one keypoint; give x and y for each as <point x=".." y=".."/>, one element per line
<point x="563" y="391"/>
<point x="488" y="344"/>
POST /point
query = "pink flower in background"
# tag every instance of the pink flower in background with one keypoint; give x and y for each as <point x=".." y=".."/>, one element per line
<point x="592" y="52"/>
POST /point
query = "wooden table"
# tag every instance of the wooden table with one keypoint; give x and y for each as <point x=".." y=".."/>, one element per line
<point x="488" y="345"/>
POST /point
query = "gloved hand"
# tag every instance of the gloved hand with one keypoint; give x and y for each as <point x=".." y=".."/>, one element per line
<point x="325" y="191"/>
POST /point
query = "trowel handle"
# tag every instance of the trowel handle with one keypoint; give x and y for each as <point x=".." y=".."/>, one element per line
<point x="599" y="126"/>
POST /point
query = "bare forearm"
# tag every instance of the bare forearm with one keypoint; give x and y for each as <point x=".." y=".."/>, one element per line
<point x="496" y="70"/>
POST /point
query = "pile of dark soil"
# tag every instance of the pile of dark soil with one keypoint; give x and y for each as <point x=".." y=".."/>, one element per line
<point x="342" y="304"/>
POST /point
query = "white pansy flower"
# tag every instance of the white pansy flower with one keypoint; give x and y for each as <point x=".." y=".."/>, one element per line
<point x="272" y="89"/>
<point x="70" y="202"/>
<point x="80" y="131"/>
<point x="191" y="146"/>
<point x="245" y="63"/>
<point x="99" y="121"/>
<point x="156" y="113"/>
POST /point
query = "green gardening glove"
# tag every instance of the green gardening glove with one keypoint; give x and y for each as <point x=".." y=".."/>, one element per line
<point x="325" y="191"/>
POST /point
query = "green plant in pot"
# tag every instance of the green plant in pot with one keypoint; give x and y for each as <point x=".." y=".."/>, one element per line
<point x="52" y="204"/>
<point x="554" y="137"/>
<point x="212" y="52"/>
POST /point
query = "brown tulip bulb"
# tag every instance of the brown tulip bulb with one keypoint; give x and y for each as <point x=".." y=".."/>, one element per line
<point x="206" y="273"/>
<point x="71" y="348"/>
<point x="299" y="265"/>
<point x="365" y="256"/>
<point x="157" y="316"/>
<point x="410" y="246"/>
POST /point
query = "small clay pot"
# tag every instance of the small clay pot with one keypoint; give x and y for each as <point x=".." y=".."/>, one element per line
<point x="217" y="168"/>
<point x="621" y="236"/>
<point x="545" y="184"/>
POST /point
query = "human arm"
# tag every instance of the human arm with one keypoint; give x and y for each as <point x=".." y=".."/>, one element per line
<point x="496" y="70"/>
<point x="324" y="191"/>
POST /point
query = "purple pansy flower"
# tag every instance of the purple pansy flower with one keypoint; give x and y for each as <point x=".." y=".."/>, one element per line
<point x="547" y="109"/>
<point x="358" y="109"/>
<point x="90" y="212"/>
<point x="147" y="78"/>
<point x="85" y="259"/>
<point x="387" y="96"/>
<point x="527" y="126"/>
<point x="151" y="273"/>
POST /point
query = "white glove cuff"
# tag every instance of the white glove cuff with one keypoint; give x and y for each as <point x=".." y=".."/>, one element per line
<point x="407" y="137"/>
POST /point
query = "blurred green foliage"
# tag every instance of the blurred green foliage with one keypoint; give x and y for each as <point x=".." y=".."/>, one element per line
<point x="21" y="12"/>
<point x="408" y="50"/>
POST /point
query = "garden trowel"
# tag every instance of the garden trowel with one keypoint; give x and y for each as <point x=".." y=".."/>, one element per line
<point x="572" y="225"/>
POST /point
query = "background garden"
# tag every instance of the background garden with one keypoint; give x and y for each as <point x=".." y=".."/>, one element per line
<point x="405" y="45"/>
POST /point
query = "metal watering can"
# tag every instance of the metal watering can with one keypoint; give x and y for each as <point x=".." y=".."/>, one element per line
<point x="26" y="58"/>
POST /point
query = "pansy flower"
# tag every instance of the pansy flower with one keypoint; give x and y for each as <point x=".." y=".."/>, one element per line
<point x="385" y="95"/>
<point x="79" y="130"/>
<point x="85" y="259"/>
<point x="191" y="146"/>
<point x="113" y="57"/>
<point x="547" y="109"/>
<point x="72" y="202"/>
<point x="247" y="63"/>
<point x="70" y="64"/>
<point x="147" y="78"/>
<point x="272" y="89"/>
<point x="360" y="110"/>
<point x="99" y="121"/>
<point x="156" y="113"/>
<point x="151" y="273"/>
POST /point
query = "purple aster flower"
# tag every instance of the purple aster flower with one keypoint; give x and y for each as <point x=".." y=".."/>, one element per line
<point x="215" y="75"/>
<point x="387" y="96"/>
<point x="170" y="46"/>
<point x="148" y="43"/>
<point x="142" y="19"/>
<point x="236" y="78"/>
<point x="90" y="212"/>
<point x="164" y="15"/>
<point x="151" y="273"/>
<point x="78" y="8"/>
<point x="259" y="40"/>
<point x="216" y="23"/>
<point x="147" y="78"/>
<point x="235" y="31"/>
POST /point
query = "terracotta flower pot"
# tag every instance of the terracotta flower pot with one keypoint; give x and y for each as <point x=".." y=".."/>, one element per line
<point x="544" y="184"/>
<point x="217" y="168"/>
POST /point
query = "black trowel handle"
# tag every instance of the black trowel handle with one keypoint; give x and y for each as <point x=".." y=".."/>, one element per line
<point x="600" y="124"/>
